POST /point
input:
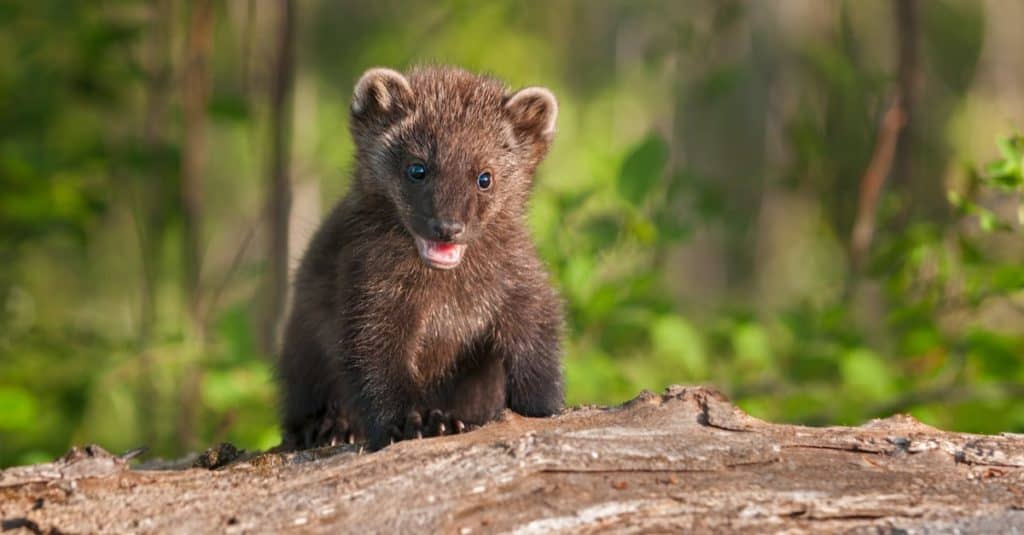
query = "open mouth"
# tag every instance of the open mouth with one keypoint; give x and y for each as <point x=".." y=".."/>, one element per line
<point x="439" y="254"/>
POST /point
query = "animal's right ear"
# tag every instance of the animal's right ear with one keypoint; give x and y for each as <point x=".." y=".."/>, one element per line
<point x="381" y="97"/>
<point x="533" y="112"/>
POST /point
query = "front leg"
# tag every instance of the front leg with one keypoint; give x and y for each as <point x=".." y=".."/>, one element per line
<point x="527" y="337"/>
<point x="386" y="387"/>
<point x="476" y="394"/>
<point x="387" y="406"/>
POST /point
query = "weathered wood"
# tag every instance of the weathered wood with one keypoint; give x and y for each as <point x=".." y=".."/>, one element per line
<point x="684" y="460"/>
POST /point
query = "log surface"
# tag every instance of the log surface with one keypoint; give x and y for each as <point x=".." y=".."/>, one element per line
<point x="684" y="460"/>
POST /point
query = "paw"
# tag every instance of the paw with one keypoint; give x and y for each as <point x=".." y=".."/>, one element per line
<point x="327" y="430"/>
<point x="434" y="423"/>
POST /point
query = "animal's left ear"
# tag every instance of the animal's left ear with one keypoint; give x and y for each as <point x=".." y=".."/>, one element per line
<point x="533" y="112"/>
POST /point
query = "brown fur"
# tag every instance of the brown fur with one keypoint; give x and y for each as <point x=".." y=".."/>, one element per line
<point x="381" y="346"/>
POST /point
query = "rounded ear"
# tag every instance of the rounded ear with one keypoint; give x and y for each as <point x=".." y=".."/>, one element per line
<point x="381" y="95"/>
<point x="533" y="112"/>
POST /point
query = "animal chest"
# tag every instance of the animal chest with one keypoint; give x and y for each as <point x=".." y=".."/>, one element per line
<point x="451" y="325"/>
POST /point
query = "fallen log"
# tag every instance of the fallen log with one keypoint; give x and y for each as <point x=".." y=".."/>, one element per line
<point x="683" y="460"/>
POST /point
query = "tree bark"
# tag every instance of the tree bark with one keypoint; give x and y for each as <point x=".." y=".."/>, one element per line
<point x="193" y="160"/>
<point x="279" y="191"/>
<point x="150" y="224"/>
<point x="196" y="88"/>
<point x="686" y="460"/>
<point x="149" y="212"/>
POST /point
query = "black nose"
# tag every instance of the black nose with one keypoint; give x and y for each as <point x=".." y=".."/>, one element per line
<point x="446" y="230"/>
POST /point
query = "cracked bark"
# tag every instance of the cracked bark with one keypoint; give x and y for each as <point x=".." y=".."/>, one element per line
<point x="684" y="460"/>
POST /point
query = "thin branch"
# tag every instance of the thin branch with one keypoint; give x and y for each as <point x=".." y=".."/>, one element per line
<point x="891" y="154"/>
<point x="236" y="262"/>
<point x="871" y="183"/>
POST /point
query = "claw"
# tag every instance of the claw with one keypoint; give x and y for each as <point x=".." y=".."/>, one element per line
<point x="350" y="438"/>
<point x="413" y="425"/>
<point x="435" y="423"/>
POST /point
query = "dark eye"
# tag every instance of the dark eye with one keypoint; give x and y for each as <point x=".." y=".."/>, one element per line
<point x="416" y="172"/>
<point x="483" y="180"/>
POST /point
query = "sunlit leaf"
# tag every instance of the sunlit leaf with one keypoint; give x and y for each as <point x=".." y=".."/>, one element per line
<point x="987" y="220"/>
<point x="677" y="340"/>
<point x="18" y="408"/>
<point x="751" y="345"/>
<point x="579" y="276"/>
<point x="643" y="230"/>
<point x="865" y="373"/>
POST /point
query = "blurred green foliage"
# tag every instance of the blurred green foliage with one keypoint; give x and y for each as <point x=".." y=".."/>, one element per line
<point x="694" y="212"/>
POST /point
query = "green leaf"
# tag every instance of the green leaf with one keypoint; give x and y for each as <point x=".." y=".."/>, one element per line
<point x="19" y="409"/>
<point x="987" y="220"/>
<point x="578" y="277"/>
<point x="677" y="341"/>
<point x="228" y="107"/>
<point x="227" y="389"/>
<point x="992" y="355"/>
<point x="751" y="346"/>
<point x="866" y="373"/>
<point x="1011" y="148"/>
<point x="643" y="230"/>
<point x="642" y="169"/>
<point x="955" y="198"/>
<point x="595" y="377"/>
<point x="602" y="231"/>
<point x="236" y="332"/>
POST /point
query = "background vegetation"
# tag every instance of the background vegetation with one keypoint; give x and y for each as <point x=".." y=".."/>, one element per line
<point x="813" y="205"/>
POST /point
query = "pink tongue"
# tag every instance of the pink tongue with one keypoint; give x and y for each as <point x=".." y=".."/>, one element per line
<point x="444" y="254"/>
<point x="443" y="247"/>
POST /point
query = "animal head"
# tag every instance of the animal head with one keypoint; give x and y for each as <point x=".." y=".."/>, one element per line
<point x="454" y="152"/>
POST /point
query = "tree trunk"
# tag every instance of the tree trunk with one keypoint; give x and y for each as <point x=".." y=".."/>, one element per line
<point x="150" y="215"/>
<point x="153" y="138"/>
<point x="683" y="461"/>
<point x="279" y="191"/>
<point x="194" y="100"/>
